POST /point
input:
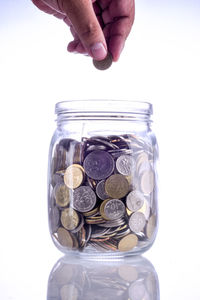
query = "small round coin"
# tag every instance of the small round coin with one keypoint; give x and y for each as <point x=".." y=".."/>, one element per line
<point x="137" y="222"/>
<point x="114" y="209"/>
<point x="64" y="238"/>
<point x="98" y="165"/>
<point x="84" y="199"/>
<point x="128" y="242"/>
<point x="125" y="165"/>
<point x="69" y="292"/>
<point x="73" y="176"/>
<point x="147" y="182"/>
<point x="116" y="186"/>
<point x="134" y="200"/>
<point x="128" y="273"/>
<point x="62" y="195"/>
<point x="69" y="218"/>
<point x="103" y="64"/>
<point x="100" y="190"/>
<point x="151" y="226"/>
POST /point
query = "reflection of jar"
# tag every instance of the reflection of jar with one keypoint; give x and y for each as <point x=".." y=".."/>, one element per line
<point x="102" y="191"/>
<point x="121" y="279"/>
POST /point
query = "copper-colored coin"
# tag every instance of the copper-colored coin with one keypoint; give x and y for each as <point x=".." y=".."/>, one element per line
<point x="64" y="238"/>
<point x="69" y="218"/>
<point x="151" y="226"/>
<point x="62" y="195"/>
<point x="73" y="176"/>
<point x="116" y="186"/>
<point x="147" y="182"/>
<point x="103" y="64"/>
<point x="128" y="242"/>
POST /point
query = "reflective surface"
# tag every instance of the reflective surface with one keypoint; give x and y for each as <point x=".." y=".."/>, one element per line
<point x="125" y="279"/>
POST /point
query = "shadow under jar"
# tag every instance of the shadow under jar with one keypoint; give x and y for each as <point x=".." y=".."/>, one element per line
<point x="102" y="181"/>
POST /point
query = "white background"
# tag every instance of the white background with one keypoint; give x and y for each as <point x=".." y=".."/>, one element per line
<point x="160" y="64"/>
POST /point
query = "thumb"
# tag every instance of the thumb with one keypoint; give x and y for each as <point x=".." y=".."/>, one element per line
<point x="87" y="27"/>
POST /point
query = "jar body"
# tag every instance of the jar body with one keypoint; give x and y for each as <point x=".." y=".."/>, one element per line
<point x="102" y="186"/>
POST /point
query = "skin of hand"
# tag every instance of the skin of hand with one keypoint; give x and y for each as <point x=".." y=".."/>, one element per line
<point x="97" y="26"/>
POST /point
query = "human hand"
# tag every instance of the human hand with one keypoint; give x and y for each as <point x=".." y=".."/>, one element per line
<point x="97" y="26"/>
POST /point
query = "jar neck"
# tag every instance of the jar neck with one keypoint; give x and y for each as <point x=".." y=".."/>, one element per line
<point x="105" y="110"/>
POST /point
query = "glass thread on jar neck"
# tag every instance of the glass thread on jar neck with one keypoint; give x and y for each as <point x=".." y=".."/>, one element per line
<point x="103" y="110"/>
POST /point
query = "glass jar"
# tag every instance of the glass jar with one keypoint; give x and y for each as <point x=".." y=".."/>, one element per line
<point x="102" y="181"/>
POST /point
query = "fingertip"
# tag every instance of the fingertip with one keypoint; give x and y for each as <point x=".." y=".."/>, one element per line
<point x="116" y="46"/>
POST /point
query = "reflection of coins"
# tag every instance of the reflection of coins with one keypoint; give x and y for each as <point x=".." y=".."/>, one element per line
<point x="151" y="226"/>
<point x="142" y="157"/>
<point x="100" y="190"/>
<point x="103" y="64"/>
<point x="64" y="238"/>
<point x="128" y="273"/>
<point x="137" y="222"/>
<point x="69" y="218"/>
<point x="62" y="195"/>
<point x="114" y="209"/>
<point x="84" y="199"/>
<point x="69" y="292"/>
<point x="137" y="290"/>
<point x="98" y="165"/>
<point x="73" y="176"/>
<point x="128" y="242"/>
<point x="134" y="200"/>
<point x="147" y="182"/>
<point x="116" y="186"/>
<point x="125" y="165"/>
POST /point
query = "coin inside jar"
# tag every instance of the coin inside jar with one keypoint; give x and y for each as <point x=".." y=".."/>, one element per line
<point x="116" y="186"/>
<point x="125" y="165"/>
<point x="134" y="201"/>
<point x="137" y="222"/>
<point x="84" y="199"/>
<point x="114" y="209"/>
<point x="128" y="242"/>
<point x="98" y="165"/>
<point x="147" y="182"/>
<point x="103" y="64"/>
<point x="69" y="218"/>
<point x="100" y="190"/>
<point x="64" y="237"/>
<point x="73" y="176"/>
<point x="62" y="195"/>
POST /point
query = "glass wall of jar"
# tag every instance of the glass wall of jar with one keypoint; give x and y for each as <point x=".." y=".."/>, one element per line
<point x="102" y="180"/>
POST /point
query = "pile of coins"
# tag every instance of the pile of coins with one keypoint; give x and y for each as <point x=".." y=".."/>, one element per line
<point x="103" y="193"/>
<point x="96" y="281"/>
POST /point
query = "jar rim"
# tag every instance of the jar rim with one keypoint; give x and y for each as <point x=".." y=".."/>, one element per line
<point x="104" y="106"/>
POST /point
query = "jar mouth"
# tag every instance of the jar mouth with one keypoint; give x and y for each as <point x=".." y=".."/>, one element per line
<point x="104" y="106"/>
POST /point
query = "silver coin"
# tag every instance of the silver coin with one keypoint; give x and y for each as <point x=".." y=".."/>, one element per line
<point x="103" y="64"/>
<point x="114" y="223"/>
<point x="114" y="209"/>
<point x="125" y="165"/>
<point x="96" y="147"/>
<point x="100" y="190"/>
<point x="134" y="200"/>
<point x="137" y="222"/>
<point x="54" y="218"/>
<point x="84" y="199"/>
<point x="137" y="290"/>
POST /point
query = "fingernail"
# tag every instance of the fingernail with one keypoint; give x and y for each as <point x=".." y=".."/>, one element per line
<point x="98" y="51"/>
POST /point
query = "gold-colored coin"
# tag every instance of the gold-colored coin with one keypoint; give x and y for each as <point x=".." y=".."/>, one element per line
<point x="102" y="206"/>
<point x="64" y="238"/>
<point x="91" y="212"/>
<point x="128" y="242"/>
<point x="69" y="218"/>
<point x="147" y="182"/>
<point x="62" y="195"/>
<point x="151" y="226"/>
<point x="73" y="176"/>
<point x="145" y="209"/>
<point x="117" y="186"/>
<point x="103" y="64"/>
<point x="129" y="212"/>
